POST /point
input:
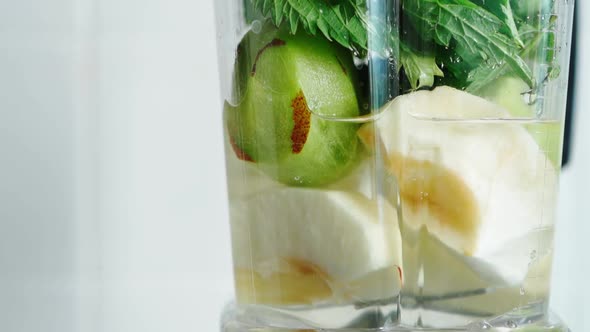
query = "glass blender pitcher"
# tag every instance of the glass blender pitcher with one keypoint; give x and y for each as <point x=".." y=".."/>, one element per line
<point x="393" y="165"/>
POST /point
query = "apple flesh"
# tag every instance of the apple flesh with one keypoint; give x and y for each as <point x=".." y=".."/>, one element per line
<point x="307" y="246"/>
<point x="473" y="182"/>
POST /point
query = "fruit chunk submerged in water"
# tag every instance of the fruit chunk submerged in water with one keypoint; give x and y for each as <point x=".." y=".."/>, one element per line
<point x="474" y="185"/>
<point x="304" y="246"/>
<point x="511" y="93"/>
<point x="282" y="82"/>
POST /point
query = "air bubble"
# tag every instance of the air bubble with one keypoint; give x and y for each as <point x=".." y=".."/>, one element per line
<point x="529" y="97"/>
<point x="485" y="326"/>
<point x="511" y="324"/>
<point x="358" y="61"/>
<point x="256" y="26"/>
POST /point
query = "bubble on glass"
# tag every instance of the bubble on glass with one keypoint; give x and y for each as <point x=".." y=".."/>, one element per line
<point x="420" y="281"/>
<point x="388" y="52"/>
<point x="529" y="97"/>
<point x="359" y="61"/>
<point x="256" y="26"/>
<point x="511" y="324"/>
<point x="485" y="325"/>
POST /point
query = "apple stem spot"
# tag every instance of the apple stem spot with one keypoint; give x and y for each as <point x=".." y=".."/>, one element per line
<point x="302" y="121"/>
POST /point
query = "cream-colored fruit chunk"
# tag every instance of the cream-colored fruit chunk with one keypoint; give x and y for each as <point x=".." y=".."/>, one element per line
<point x="474" y="182"/>
<point x="296" y="246"/>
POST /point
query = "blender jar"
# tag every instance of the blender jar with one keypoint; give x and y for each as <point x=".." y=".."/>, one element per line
<point x="392" y="164"/>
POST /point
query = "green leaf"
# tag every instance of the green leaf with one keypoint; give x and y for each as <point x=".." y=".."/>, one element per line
<point x="482" y="33"/>
<point x="294" y="19"/>
<point x="475" y="31"/>
<point x="482" y="76"/>
<point x="277" y="12"/>
<point x="537" y="42"/>
<point x="503" y="10"/>
<point x="420" y="69"/>
<point x="250" y="12"/>
<point x="509" y="20"/>
<point x="338" y="21"/>
<point x="266" y="6"/>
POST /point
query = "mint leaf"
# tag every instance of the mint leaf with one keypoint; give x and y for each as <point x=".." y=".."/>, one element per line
<point x="420" y="69"/>
<point x="340" y="22"/>
<point x="475" y="31"/>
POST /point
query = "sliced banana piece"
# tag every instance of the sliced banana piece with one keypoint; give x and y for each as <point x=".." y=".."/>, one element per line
<point x="474" y="182"/>
<point x="301" y="246"/>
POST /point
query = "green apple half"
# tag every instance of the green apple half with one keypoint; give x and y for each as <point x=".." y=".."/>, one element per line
<point x="474" y="184"/>
<point x="284" y="85"/>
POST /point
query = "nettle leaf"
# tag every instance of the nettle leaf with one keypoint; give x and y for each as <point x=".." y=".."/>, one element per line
<point x="266" y="6"/>
<point x="510" y="22"/>
<point x="293" y="18"/>
<point x="339" y="22"/>
<point x="420" y="69"/>
<point x="535" y="40"/>
<point x="482" y="33"/>
<point x="484" y="75"/>
<point x="278" y="10"/>
<point x="503" y="10"/>
<point x="476" y="32"/>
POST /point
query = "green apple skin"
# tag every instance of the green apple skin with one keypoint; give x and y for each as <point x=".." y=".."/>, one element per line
<point x="507" y="92"/>
<point x="285" y="84"/>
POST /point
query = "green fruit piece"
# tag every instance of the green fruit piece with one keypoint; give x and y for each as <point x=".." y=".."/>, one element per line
<point x="283" y="83"/>
<point x="508" y="92"/>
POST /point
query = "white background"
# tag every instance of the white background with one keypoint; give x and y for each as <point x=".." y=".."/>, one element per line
<point x="112" y="192"/>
